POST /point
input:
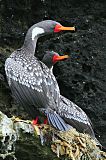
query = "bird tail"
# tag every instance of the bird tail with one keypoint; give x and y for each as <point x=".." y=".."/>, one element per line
<point x="56" y="121"/>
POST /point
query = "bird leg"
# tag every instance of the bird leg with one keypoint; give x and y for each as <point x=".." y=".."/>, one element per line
<point x="38" y="128"/>
<point x="35" y="121"/>
<point x="35" y="125"/>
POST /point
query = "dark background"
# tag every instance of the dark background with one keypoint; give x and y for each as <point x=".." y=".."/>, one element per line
<point x="82" y="78"/>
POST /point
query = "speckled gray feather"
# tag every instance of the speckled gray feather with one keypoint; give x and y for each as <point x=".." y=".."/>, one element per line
<point x="75" y="116"/>
<point x="32" y="81"/>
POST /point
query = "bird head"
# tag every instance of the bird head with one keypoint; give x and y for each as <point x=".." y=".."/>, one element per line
<point x="46" y="27"/>
<point x="51" y="57"/>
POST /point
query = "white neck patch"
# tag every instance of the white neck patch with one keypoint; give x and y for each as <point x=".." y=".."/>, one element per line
<point x="36" y="31"/>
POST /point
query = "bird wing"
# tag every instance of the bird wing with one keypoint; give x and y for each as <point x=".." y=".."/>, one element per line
<point x="75" y="116"/>
<point x="30" y="84"/>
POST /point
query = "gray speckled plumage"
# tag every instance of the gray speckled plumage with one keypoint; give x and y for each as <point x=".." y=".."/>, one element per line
<point x="75" y="116"/>
<point x="27" y="71"/>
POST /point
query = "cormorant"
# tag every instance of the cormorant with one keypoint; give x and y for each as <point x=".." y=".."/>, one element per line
<point x="31" y="82"/>
<point x="67" y="110"/>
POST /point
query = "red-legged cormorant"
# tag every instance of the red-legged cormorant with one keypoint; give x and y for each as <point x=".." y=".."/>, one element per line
<point x="31" y="82"/>
<point x="67" y="110"/>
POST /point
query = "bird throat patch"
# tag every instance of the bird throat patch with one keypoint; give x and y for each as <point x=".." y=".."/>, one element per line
<point x="36" y="31"/>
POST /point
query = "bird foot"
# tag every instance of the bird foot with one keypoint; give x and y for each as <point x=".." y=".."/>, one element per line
<point x="35" y="121"/>
<point x="38" y="131"/>
<point x="38" y="128"/>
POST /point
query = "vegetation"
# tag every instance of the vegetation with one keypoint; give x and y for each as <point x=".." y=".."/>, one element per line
<point x="17" y="134"/>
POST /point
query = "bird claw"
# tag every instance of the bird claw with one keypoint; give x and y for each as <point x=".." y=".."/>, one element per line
<point x="35" y="121"/>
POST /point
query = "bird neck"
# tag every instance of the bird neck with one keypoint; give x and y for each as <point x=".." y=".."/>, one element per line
<point x="30" y="45"/>
<point x="31" y="38"/>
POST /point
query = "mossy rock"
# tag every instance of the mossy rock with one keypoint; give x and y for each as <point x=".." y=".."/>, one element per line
<point x="20" y="139"/>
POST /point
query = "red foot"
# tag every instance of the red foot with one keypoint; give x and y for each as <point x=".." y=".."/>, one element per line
<point x="35" y="121"/>
<point x="46" y="121"/>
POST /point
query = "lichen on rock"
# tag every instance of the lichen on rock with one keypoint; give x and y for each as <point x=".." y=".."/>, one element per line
<point x="70" y="145"/>
<point x="8" y="136"/>
<point x="10" y="132"/>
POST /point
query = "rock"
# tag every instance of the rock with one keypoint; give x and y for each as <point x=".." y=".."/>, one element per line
<point x="81" y="78"/>
<point x="19" y="136"/>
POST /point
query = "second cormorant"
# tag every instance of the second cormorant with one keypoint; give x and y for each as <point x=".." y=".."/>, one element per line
<point x="67" y="110"/>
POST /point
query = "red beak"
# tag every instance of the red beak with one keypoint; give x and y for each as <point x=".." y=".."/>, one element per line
<point x="59" y="58"/>
<point x="59" y="28"/>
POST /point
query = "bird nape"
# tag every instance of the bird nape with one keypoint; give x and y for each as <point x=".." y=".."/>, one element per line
<point x="31" y="82"/>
